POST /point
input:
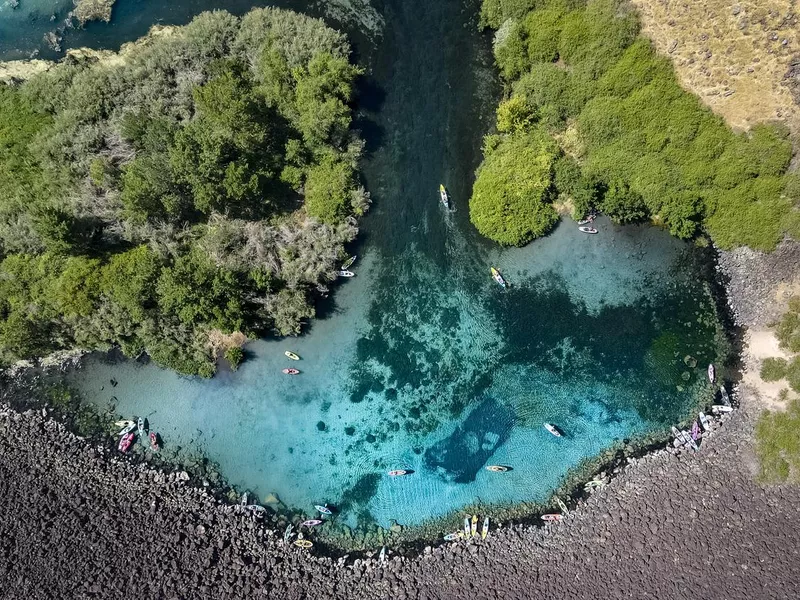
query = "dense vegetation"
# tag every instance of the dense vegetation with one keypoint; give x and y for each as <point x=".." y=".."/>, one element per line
<point x="198" y="184"/>
<point x="631" y="142"/>
<point x="787" y="330"/>
<point x="778" y="433"/>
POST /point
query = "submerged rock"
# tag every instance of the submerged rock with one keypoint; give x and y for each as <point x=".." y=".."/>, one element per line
<point x="460" y="456"/>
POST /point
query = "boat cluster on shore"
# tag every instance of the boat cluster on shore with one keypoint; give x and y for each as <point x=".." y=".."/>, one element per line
<point x="133" y="428"/>
<point x="691" y="438"/>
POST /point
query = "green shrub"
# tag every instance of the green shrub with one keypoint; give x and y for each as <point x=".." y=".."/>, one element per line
<point x="510" y="200"/>
<point x="793" y="374"/>
<point x="234" y="356"/>
<point x="787" y="329"/>
<point x="778" y="444"/>
<point x="773" y="369"/>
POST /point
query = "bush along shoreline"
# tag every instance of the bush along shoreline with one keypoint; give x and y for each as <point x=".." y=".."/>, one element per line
<point x="593" y="119"/>
<point x="176" y="198"/>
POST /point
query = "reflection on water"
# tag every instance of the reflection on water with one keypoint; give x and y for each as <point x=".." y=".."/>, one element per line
<point x="422" y="362"/>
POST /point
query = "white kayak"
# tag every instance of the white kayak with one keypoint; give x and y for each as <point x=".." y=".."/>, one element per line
<point x="552" y="429"/>
<point x="721" y="408"/>
<point x="349" y="262"/>
<point x="344" y="273"/>
<point x="705" y="422"/>
<point x="712" y="374"/>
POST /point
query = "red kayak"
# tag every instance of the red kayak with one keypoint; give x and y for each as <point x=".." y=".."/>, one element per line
<point x="551" y="517"/>
<point x="291" y="372"/>
<point x="126" y="442"/>
<point x="154" y="441"/>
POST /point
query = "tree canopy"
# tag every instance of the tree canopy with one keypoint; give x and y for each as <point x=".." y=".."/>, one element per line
<point x="639" y="145"/>
<point x="204" y="179"/>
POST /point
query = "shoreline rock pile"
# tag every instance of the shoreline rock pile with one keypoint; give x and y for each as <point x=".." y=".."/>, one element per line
<point x="77" y="521"/>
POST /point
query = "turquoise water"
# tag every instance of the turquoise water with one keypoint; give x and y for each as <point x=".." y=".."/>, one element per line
<point x="421" y="362"/>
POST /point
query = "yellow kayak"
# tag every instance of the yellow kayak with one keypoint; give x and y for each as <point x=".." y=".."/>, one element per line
<point x="303" y="544"/>
<point x="474" y="525"/>
<point x="292" y="355"/>
<point x="485" y="530"/>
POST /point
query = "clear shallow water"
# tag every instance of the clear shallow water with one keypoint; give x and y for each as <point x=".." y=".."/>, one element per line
<point x="421" y="361"/>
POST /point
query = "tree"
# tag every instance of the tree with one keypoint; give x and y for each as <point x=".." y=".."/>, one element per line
<point x="510" y="200"/>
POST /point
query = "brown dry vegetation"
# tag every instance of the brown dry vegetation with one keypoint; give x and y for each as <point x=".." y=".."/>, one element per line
<point x="737" y="56"/>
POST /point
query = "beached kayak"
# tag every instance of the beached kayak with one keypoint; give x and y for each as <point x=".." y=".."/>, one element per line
<point x="474" y="527"/>
<point x="704" y="421"/>
<point x="552" y="517"/>
<point x="485" y="530"/>
<point x="450" y="537"/>
<point x="126" y="442"/>
<point x="154" y="441"/>
<point x="712" y="373"/>
<point x="466" y="527"/>
<point x="303" y="544"/>
<point x="349" y="262"/>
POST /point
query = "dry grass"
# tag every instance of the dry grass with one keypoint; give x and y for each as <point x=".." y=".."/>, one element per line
<point x="736" y="56"/>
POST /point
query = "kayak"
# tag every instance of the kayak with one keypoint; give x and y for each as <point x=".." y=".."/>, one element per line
<point x="311" y="523"/>
<point x="498" y="278"/>
<point x="323" y="509"/>
<point x="485" y="530"/>
<point x="303" y="544"/>
<point x="466" y="527"/>
<point x="154" y="441"/>
<point x="704" y="421"/>
<point x="726" y="399"/>
<point x="497" y="468"/>
<point x="400" y="472"/>
<point x="290" y="372"/>
<point x="474" y="527"/>
<point x="552" y="429"/>
<point x="345" y="273"/>
<point x="594" y="483"/>
<point x="443" y="196"/>
<point x="382" y="555"/>
<point x="124" y="423"/>
<point x="562" y="506"/>
<point x="712" y="375"/>
<point x="287" y="535"/>
<point x="292" y="355"/>
<point x="140" y="425"/>
<point x="587" y="229"/>
<point x="128" y="428"/>
<point x="349" y="262"/>
<point x="450" y="537"/>
<point x="126" y="442"/>
<point x="721" y="408"/>
<point x="552" y="517"/>
<point x="695" y="431"/>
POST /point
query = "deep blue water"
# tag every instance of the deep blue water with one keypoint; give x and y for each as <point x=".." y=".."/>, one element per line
<point x="422" y="362"/>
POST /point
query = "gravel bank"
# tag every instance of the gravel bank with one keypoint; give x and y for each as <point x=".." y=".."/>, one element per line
<point x="77" y="522"/>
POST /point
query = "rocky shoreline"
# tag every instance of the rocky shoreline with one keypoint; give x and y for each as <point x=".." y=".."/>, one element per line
<point x="668" y="523"/>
